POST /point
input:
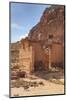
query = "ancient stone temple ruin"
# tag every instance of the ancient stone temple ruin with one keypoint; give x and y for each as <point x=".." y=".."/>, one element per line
<point x="30" y="56"/>
<point x="32" y="53"/>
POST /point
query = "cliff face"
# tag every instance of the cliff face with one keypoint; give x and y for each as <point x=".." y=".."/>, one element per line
<point x="51" y="23"/>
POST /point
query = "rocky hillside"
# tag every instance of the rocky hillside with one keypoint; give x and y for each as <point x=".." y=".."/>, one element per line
<point x="51" y="23"/>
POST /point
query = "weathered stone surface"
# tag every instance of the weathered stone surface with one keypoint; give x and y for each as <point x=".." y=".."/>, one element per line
<point x="29" y="54"/>
<point x="51" y="22"/>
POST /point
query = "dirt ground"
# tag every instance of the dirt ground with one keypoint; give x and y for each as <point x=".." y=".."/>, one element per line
<point x="47" y="83"/>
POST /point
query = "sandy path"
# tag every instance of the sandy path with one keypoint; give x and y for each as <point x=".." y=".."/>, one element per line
<point x="48" y="88"/>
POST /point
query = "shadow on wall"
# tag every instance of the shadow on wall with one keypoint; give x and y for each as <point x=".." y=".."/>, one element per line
<point x="39" y="66"/>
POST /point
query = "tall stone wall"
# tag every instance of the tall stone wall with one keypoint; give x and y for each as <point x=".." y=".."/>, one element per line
<point x="51" y="23"/>
<point x="57" y="55"/>
<point x="26" y="56"/>
<point x="40" y="56"/>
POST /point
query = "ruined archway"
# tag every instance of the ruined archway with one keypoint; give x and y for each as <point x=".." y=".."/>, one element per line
<point x="38" y="66"/>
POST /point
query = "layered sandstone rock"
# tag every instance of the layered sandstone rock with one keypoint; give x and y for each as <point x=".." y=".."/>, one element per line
<point x="51" y="26"/>
<point x="51" y="23"/>
<point x="30" y="53"/>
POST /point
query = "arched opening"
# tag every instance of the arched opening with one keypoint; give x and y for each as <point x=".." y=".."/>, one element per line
<point x="38" y="66"/>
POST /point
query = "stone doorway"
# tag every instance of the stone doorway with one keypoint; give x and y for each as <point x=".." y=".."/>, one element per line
<point x="39" y="66"/>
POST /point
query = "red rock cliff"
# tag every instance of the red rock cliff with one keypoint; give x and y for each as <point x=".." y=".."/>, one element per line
<point x="51" y="22"/>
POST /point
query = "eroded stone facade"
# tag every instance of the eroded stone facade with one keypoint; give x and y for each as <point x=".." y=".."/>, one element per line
<point x="32" y="53"/>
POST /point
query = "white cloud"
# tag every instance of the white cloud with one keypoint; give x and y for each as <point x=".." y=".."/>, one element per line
<point x="23" y="36"/>
<point x="16" y="26"/>
<point x="20" y="29"/>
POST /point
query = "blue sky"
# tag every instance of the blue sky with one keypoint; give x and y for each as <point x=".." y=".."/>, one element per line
<point x="23" y="18"/>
